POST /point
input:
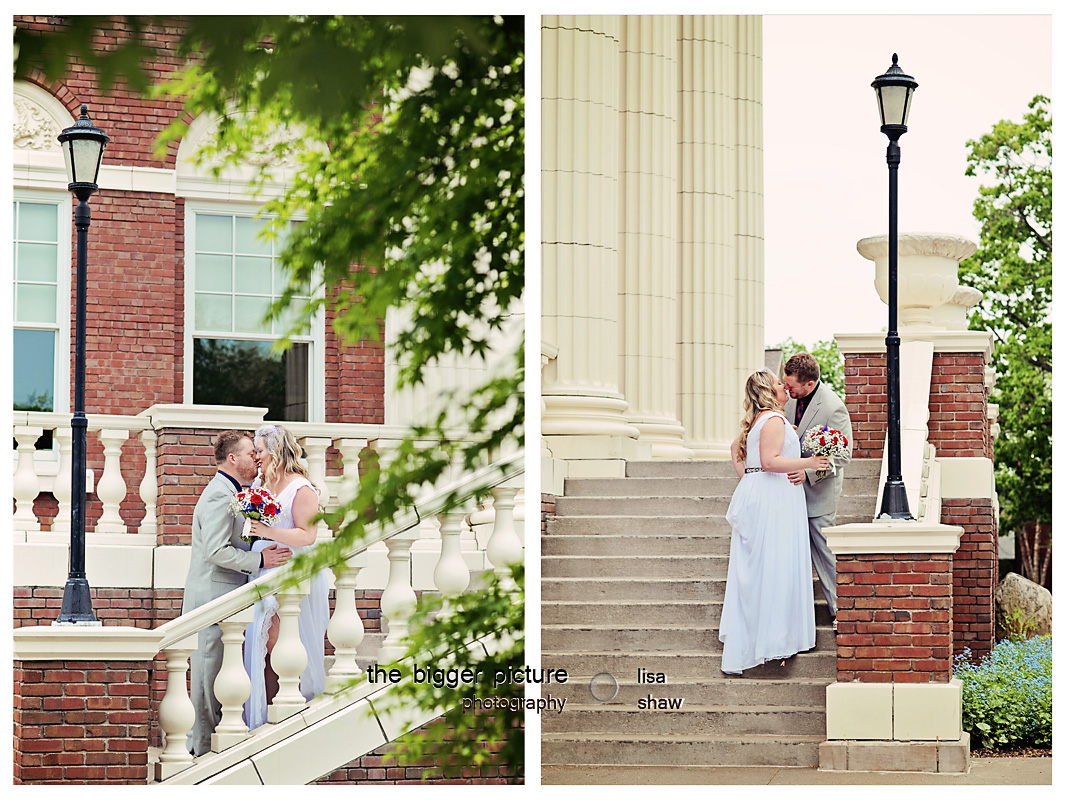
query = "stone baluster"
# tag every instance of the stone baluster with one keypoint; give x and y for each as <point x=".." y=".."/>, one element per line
<point x="398" y="599"/>
<point x="288" y="658"/>
<point x="504" y="548"/>
<point x="64" y="439"/>
<point x="111" y="488"/>
<point x="349" y="450"/>
<point x="345" y="630"/>
<point x="232" y="685"/>
<point x="25" y="484"/>
<point x="176" y="713"/>
<point x="148" y="489"/>
<point x="316" y="458"/>
<point x="452" y="576"/>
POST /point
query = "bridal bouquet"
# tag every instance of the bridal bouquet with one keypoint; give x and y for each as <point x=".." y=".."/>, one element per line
<point x="254" y="503"/>
<point x="823" y="441"/>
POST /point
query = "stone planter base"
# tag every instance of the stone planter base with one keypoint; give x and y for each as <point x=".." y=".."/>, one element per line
<point x="868" y="756"/>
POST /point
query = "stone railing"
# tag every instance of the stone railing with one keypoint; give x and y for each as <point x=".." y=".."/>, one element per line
<point x="176" y="640"/>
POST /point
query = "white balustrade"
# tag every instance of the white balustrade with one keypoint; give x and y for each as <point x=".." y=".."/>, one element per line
<point x="232" y="685"/>
<point x="288" y="658"/>
<point x="148" y="488"/>
<point x="398" y="599"/>
<point x="315" y="448"/>
<point x="345" y="630"/>
<point x="111" y="489"/>
<point x="24" y="484"/>
<point x="452" y="575"/>
<point x="64" y="440"/>
<point x="176" y="712"/>
<point x="504" y="549"/>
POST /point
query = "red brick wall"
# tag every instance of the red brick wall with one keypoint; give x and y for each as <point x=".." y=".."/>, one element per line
<point x="894" y="618"/>
<point x="185" y="464"/>
<point x="81" y="722"/>
<point x="974" y="573"/>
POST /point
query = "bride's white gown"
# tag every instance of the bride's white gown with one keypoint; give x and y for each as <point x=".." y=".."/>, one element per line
<point x="769" y="611"/>
<point x="314" y="617"/>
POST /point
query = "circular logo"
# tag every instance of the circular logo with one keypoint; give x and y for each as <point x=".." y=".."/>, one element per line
<point x="604" y="687"/>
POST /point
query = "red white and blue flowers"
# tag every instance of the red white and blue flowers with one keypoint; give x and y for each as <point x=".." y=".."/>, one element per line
<point x="254" y="503"/>
<point x="823" y="441"/>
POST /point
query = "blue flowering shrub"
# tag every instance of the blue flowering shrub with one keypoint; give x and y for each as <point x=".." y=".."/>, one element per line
<point x="1007" y="696"/>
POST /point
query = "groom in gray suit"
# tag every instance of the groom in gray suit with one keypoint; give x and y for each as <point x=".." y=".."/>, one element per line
<point x="220" y="561"/>
<point x="815" y="404"/>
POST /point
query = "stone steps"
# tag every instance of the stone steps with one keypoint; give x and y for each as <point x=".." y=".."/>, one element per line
<point x="696" y="664"/>
<point x="859" y="468"/>
<point x="687" y="719"/>
<point x="681" y="612"/>
<point x="687" y="487"/>
<point x="703" y="691"/>
<point x="622" y="566"/>
<point x="654" y="506"/>
<point x="671" y="749"/>
<point x="609" y="544"/>
<point x="665" y="637"/>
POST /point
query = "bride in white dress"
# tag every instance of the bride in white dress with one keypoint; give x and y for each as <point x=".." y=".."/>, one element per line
<point x="769" y="612"/>
<point x="282" y="474"/>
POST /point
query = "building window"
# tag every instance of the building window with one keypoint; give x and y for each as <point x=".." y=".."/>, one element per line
<point x="236" y="277"/>
<point x="38" y="285"/>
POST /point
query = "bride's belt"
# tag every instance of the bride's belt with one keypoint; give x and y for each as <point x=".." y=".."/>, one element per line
<point x="754" y="469"/>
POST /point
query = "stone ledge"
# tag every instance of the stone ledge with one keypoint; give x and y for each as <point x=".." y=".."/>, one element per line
<point x="842" y="755"/>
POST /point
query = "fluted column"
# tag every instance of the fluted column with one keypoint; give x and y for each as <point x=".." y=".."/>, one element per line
<point x="111" y="488"/>
<point x="748" y="238"/>
<point x="648" y="222"/>
<point x="580" y="164"/>
<point x="25" y="484"/>
<point x="710" y="395"/>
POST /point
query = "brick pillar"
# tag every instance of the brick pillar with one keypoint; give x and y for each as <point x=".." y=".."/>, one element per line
<point x="81" y="722"/>
<point x="894" y="618"/>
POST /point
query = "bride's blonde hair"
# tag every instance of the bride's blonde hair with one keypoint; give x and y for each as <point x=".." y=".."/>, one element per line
<point x="760" y="396"/>
<point x="283" y="451"/>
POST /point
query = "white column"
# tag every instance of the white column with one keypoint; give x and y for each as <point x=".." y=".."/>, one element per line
<point x="288" y="658"/>
<point x="148" y="487"/>
<point x="398" y="598"/>
<point x="25" y="485"/>
<point x="176" y="713"/>
<point x="111" y="488"/>
<point x="345" y="630"/>
<point x="579" y="175"/>
<point x="232" y="685"/>
<point x="648" y="222"/>
<point x="64" y="439"/>
<point x="710" y="397"/>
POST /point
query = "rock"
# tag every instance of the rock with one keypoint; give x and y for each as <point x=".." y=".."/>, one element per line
<point x="1028" y="601"/>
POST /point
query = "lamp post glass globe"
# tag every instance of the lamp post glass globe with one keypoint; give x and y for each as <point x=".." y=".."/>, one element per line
<point x="894" y="90"/>
<point x="83" y="148"/>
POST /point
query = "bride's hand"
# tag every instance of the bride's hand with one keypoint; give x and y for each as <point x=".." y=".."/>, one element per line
<point x="257" y="528"/>
<point x="820" y="463"/>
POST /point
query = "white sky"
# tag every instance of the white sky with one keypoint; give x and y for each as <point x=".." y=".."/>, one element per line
<point x="825" y="174"/>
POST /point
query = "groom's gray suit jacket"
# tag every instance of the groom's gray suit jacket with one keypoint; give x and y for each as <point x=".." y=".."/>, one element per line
<point x="220" y="561"/>
<point x="826" y="408"/>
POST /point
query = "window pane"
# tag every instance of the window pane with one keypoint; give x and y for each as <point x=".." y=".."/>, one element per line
<point x="247" y="237"/>
<point x="238" y="373"/>
<point x="214" y="312"/>
<point x="213" y="273"/>
<point x="250" y="314"/>
<point x="253" y="274"/>
<point x="36" y="303"/>
<point x="214" y="233"/>
<point x="37" y="222"/>
<point x="34" y="384"/>
<point x="37" y="262"/>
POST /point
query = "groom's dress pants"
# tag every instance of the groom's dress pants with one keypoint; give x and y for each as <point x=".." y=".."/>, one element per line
<point x="204" y="668"/>
<point x="824" y="560"/>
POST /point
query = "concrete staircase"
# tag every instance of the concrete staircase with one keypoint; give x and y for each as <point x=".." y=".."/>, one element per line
<point x="633" y="575"/>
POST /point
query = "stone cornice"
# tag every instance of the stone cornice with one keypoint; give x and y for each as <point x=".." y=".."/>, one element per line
<point x="892" y="537"/>
<point x="943" y="341"/>
<point x="204" y="417"/>
<point x="946" y="245"/>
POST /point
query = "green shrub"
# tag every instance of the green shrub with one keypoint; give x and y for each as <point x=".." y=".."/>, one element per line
<point x="1007" y="696"/>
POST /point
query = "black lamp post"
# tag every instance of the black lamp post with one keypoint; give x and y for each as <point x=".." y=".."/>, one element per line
<point x="83" y="147"/>
<point x="894" y="90"/>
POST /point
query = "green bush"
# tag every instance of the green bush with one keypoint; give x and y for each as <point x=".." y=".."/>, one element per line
<point x="1007" y="695"/>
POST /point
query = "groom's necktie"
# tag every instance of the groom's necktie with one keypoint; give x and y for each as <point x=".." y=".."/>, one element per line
<point x="802" y="403"/>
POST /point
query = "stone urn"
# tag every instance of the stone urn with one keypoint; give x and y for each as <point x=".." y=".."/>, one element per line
<point x="952" y="316"/>
<point x="927" y="272"/>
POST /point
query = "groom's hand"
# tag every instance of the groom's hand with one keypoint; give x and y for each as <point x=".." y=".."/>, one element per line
<point x="797" y="477"/>
<point x="275" y="556"/>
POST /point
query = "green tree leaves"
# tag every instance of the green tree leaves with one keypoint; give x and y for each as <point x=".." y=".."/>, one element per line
<point x="1013" y="270"/>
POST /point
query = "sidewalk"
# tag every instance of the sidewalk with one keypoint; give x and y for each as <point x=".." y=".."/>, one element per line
<point x="984" y="771"/>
